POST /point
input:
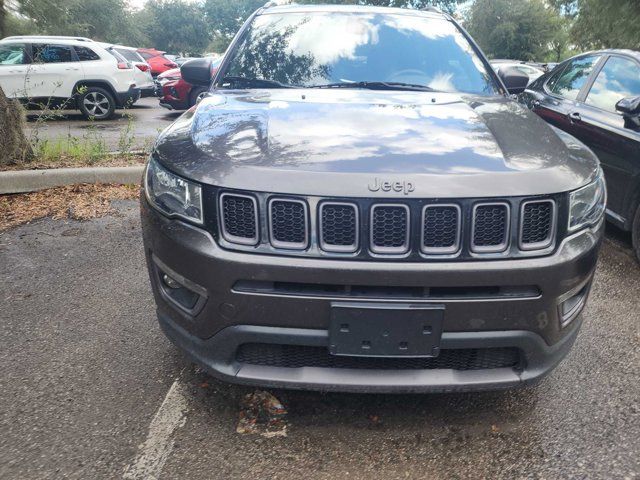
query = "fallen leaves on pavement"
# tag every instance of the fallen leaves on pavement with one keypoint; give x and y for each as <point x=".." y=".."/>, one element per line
<point x="262" y="413"/>
<point x="79" y="202"/>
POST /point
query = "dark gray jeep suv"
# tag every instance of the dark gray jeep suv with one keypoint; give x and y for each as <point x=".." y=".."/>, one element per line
<point x="359" y="205"/>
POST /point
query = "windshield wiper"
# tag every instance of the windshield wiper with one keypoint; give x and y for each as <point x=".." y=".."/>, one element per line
<point x="254" y="82"/>
<point x="378" y="86"/>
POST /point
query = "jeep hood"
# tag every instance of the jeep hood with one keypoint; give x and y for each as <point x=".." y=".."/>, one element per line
<point x="338" y="142"/>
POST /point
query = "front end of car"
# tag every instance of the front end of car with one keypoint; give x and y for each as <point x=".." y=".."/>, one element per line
<point x="329" y="219"/>
<point x="172" y="91"/>
<point x="251" y="283"/>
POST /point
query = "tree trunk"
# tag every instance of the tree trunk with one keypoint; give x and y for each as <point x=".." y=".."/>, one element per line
<point x="14" y="146"/>
<point x="3" y="19"/>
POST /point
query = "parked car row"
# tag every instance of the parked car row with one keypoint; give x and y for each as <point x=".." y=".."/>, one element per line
<point x="77" y="72"/>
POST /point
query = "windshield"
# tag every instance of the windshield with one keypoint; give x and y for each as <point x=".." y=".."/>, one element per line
<point x="341" y="48"/>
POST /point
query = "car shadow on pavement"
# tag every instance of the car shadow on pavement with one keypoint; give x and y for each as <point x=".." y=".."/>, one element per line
<point x="409" y="412"/>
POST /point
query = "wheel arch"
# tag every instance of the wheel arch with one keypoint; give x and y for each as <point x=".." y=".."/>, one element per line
<point x="96" y="83"/>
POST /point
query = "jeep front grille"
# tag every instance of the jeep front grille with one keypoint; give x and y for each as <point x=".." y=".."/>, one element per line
<point x="289" y="223"/>
<point x="441" y="229"/>
<point x="490" y="227"/>
<point x="390" y="229"/>
<point x="405" y="230"/>
<point x="338" y="227"/>
<point x="239" y="218"/>
<point x="537" y="224"/>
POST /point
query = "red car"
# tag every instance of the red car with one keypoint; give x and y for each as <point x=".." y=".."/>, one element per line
<point x="177" y="94"/>
<point x="159" y="63"/>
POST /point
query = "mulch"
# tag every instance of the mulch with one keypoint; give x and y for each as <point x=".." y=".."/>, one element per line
<point x="78" y="202"/>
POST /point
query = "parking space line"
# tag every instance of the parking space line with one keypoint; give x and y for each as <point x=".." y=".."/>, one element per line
<point x="158" y="446"/>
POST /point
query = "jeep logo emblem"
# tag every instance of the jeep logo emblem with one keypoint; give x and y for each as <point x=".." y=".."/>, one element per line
<point x="386" y="186"/>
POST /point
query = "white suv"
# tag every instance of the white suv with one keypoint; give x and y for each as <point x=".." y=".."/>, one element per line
<point x="68" y="72"/>
<point x="142" y="71"/>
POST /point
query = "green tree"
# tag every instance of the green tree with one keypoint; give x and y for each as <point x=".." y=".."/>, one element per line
<point x="607" y="24"/>
<point x="106" y="20"/>
<point x="226" y="17"/>
<point x="177" y="26"/>
<point x="518" y="29"/>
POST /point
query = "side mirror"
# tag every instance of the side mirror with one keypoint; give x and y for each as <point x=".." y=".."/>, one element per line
<point x="630" y="109"/>
<point x="514" y="80"/>
<point x="197" y="72"/>
<point x="629" y="106"/>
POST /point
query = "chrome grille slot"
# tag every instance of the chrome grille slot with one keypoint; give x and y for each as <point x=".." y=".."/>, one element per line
<point x="490" y="232"/>
<point x="537" y="224"/>
<point x="389" y="228"/>
<point x="441" y="226"/>
<point x="239" y="219"/>
<point x="288" y="224"/>
<point x="338" y="227"/>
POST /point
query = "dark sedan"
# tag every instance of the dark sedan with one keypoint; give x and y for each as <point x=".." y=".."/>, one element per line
<point x="596" y="98"/>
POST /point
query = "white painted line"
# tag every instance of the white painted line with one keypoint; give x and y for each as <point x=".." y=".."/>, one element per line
<point x="157" y="448"/>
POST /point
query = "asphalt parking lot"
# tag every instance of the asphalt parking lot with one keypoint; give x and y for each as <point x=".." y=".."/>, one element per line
<point x="147" y="118"/>
<point x="92" y="389"/>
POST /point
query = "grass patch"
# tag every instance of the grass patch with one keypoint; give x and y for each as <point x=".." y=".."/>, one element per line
<point x="79" y="202"/>
<point x="65" y="161"/>
<point x="86" y="150"/>
<point x="89" y="149"/>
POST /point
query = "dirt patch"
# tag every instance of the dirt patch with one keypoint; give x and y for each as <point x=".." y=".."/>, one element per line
<point x="79" y="202"/>
<point x="71" y="162"/>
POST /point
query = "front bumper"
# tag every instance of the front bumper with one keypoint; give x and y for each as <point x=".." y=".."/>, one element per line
<point x="227" y="317"/>
<point x="173" y="103"/>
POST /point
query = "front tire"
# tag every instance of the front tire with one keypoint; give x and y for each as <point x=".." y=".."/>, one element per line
<point x="96" y="103"/>
<point x="635" y="233"/>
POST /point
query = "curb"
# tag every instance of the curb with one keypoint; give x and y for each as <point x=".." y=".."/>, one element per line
<point x="23" y="181"/>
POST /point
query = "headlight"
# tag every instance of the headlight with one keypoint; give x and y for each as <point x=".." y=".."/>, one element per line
<point x="587" y="204"/>
<point x="171" y="194"/>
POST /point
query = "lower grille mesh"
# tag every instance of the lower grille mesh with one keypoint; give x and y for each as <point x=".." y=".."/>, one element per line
<point x="296" y="356"/>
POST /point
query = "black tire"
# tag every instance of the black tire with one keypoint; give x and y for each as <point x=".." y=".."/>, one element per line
<point x="96" y="103"/>
<point x="635" y="233"/>
<point x="195" y="93"/>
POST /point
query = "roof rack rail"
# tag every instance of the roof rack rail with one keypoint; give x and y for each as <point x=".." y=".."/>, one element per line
<point x="431" y="8"/>
<point x="47" y="37"/>
<point x="277" y="3"/>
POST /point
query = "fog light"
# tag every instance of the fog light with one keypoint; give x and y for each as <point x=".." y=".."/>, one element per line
<point x="178" y="293"/>
<point x="571" y="307"/>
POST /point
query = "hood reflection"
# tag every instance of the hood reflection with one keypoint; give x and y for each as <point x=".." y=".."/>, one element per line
<point x="377" y="133"/>
<point x="448" y="144"/>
